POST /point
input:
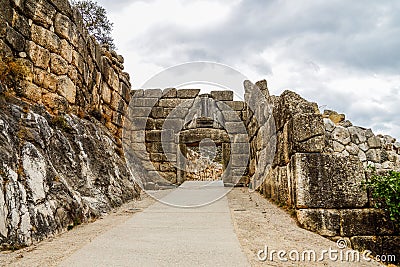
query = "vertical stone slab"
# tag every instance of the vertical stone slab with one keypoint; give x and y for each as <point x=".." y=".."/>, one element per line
<point x="328" y="181"/>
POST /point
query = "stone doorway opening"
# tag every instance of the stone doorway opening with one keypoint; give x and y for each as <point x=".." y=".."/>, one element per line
<point x="203" y="161"/>
<point x="203" y="154"/>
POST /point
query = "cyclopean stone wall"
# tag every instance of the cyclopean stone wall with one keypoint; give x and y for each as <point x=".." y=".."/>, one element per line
<point x="318" y="170"/>
<point x="61" y="158"/>
<point x="68" y="70"/>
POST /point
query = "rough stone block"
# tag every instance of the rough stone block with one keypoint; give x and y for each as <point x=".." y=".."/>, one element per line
<point x="372" y="243"/>
<point x="187" y="93"/>
<point x="143" y="102"/>
<point x="239" y="138"/>
<point x="140" y="111"/>
<point x="6" y="10"/>
<point x="19" y="23"/>
<point x="39" y="56"/>
<point x="169" y="102"/>
<point x="374" y="142"/>
<point x="152" y="93"/>
<point x="45" y="38"/>
<point x="235" y="127"/>
<point x="15" y="39"/>
<point x="306" y="133"/>
<point x="55" y="102"/>
<point x="45" y="80"/>
<point x="231" y="116"/>
<point x="374" y="155"/>
<point x="31" y="91"/>
<point x="177" y="113"/>
<point x="222" y="95"/>
<point x="328" y="181"/>
<point x="40" y="11"/>
<point x="63" y="26"/>
<point x="289" y="104"/>
<point x="235" y="105"/>
<point x="106" y="94"/>
<point x="239" y="160"/>
<point x="66" y="88"/>
<point x="66" y="51"/>
<point x="325" y="222"/>
<point x="341" y="135"/>
<point x="169" y="93"/>
<point x="58" y="65"/>
<point x="357" y="134"/>
<point x="359" y="222"/>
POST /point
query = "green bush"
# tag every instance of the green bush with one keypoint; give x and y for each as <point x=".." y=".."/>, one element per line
<point x="385" y="189"/>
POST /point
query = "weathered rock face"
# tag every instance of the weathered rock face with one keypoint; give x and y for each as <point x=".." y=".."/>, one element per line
<point x="56" y="172"/>
<point x="68" y="70"/>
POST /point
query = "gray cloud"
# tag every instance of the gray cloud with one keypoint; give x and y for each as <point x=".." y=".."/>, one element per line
<point x="364" y="35"/>
<point x="358" y="36"/>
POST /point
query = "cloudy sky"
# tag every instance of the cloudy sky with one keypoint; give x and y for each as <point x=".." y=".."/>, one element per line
<point x="345" y="55"/>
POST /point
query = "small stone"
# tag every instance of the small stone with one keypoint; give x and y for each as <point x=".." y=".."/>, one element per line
<point x="374" y="142"/>
<point x="22" y="54"/>
<point x="346" y="123"/>
<point x="387" y="165"/>
<point x="373" y="155"/>
<point x="357" y="134"/>
<point x="345" y="153"/>
<point x="329" y="125"/>
<point x="341" y="135"/>
<point x="364" y="147"/>
<point x="335" y="117"/>
<point x="338" y="147"/>
<point x="353" y="149"/>
<point x="362" y="156"/>
<point x="396" y="145"/>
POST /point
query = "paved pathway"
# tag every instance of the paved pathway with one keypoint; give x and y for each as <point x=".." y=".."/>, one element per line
<point x="163" y="235"/>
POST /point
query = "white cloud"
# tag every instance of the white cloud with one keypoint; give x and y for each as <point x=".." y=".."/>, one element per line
<point x="342" y="54"/>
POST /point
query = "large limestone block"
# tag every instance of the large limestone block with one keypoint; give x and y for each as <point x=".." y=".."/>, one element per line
<point x="364" y="222"/>
<point x="58" y="65"/>
<point x="39" y="56"/>
<point x="63" y="26"/>
<point x="222" y="95"/>
<point x="40" y="11"/>
<point x="15" y="39"/>
<point x="328" y="181"/>
<point x="46" y="38"/>
<point x="325" y="222"/>
<point x="187" y="93"/>
<point x="289" y="104"/>
<point x="66" y="88"/>
<point x="306" y="133"/>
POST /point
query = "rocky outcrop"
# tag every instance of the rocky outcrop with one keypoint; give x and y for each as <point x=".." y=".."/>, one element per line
<point x="55" y="172"/>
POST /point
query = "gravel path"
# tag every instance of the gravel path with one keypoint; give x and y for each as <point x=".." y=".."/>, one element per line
<point x="259" y="223"/>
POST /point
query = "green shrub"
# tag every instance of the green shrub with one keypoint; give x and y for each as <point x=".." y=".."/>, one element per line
<point x="385" y="189"/>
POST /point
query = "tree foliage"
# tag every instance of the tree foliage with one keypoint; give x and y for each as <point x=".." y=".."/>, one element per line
<point x="96" y="21"/>
<point x="386" y="191"/>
